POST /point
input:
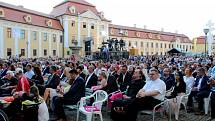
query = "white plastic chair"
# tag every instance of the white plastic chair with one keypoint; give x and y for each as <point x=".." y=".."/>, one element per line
<point x="159" y="108"/>
<point x="99" y="97"/>
<point x="206" y="103"/>
<point x="184" y="98"/>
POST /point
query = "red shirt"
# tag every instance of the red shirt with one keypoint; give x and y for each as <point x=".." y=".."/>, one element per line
<point x="23" y="85"/>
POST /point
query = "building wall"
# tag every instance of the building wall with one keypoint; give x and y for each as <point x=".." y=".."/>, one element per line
<point x="151" y="47"/>
<point x="16" y="42"/>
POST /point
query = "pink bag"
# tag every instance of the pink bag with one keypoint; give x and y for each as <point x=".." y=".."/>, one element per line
<point x="113" y="97"/>
<point x="116" y="96"/>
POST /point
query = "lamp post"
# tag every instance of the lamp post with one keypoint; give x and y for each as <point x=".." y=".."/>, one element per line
<point x="206" y="32"/>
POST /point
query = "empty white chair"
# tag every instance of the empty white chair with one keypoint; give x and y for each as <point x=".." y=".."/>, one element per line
<point x="184" y="98"/>
<point x="157" y="109"/>
<point x="206" y="103"/>
<point x="99" y="97"/>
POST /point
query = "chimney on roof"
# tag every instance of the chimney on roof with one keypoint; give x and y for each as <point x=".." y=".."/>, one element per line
<point x="144" y="27"/>
<point x="162" y="29"/>
<point x="21" y="6"/>
<point x="135" y="25"/>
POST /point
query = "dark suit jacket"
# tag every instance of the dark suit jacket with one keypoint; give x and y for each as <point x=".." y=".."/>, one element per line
<point x="111" y="85"/>
<point x="204" y="86"/>
<point x="134" y="88"/>
<point x="53" y="82"/>
<point x="45" y="70"/>
<point x="3" y="73"/>
<point x="169" y="81"/>
<point x="82" y="75"/>
<point x="126" y="82"/>
<point x="76" y="91"/>
<point x="92" y="81"/>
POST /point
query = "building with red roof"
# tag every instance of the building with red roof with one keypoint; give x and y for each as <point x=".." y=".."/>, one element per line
<point x="74" y="27"/>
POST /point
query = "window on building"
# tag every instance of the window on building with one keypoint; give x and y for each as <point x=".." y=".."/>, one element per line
<point x="142" y="53"/>
<point x="61" y="39"/>
<point x="34" y="52"/>
<point x="22" y="52"/>
<point x="68" y="52"/>
<point x="177" y="45"/>
<point x="54" y="37"/>
<point x="151" y="44"/>
<point x="45" y="52"/>
<point x="84" y="25"/>
<point x="9" y="32"/>
<point x="45" y="36"/>
<point x="136" y="44"/>
<point x="180" y="46"/>
<point x="172" y="46"/>
<point x="161" y="53"/>
<point x="183" y="46"/>
<point x="34" y="35"/>
<point x="92" y="26"/>
<point x="165" y="45"/>
<point x="156" y="45"/>
<point x="161" y="45"/>
<point x="9" y="52"/>
<point x="147" y="44"/>
<point x="129" y="44"/>
<point x="73" y="23"/>
<point x="152" y="53"/>
<point x="147" y="53"/>
<point x="169" y="45"/>
<point x="54" y="53"/>
<point x="22" y="34"/>
<point x="141" y="44"/>
<point x="190" y="47"/>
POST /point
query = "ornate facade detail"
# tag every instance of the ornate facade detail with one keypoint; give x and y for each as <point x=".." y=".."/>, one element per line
<point x="27" y="18"/>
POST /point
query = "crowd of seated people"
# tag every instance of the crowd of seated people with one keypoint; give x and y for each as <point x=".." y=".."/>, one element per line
<point x="142" y="84"/>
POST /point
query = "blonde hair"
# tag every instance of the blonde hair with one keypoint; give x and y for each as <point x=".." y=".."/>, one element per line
<point x="66" y="72"/>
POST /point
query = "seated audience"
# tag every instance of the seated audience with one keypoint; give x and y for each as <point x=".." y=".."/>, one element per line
<point x="76" y="91"/>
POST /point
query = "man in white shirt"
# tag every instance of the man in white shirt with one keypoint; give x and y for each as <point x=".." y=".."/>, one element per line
<point x="150" y="95"/>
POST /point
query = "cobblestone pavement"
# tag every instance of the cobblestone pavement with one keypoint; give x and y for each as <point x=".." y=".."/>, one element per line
<point x="71" y="116"/>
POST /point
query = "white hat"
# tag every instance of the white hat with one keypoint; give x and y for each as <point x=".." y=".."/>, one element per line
<point x="19" y="71"/>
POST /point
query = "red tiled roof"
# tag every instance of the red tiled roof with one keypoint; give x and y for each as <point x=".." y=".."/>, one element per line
<point x="200" y="40"/>
<point x="80" y="5"/>
<point x="148" y="34"/>
<point x="16" y="14"/>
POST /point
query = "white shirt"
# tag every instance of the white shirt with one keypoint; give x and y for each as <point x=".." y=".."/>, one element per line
<point x="156" y="85"/>
<point x="29" y="74"/>
<point x="199" y="84"/>
<point x="189" y="81"/>
<point x="88" y="79"/>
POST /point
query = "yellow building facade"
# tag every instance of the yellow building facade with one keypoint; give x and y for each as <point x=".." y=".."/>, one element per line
<point x="150" y="42"/>
<point x="75" y="27"/>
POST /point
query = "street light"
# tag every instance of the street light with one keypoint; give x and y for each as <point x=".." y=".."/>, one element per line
<point x="206" y="32"/>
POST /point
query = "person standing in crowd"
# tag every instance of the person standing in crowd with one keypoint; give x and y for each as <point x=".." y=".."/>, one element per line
<point x="150" y="95"/>
<point x="200" y="90"/>
<point x="168" y="78"/>
<point x="91" y="78"/>
<point x="124" y="78"/>
<point x="30" y="73"/>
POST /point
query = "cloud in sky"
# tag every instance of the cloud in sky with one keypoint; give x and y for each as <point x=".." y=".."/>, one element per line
<point x="188" y="17"/>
